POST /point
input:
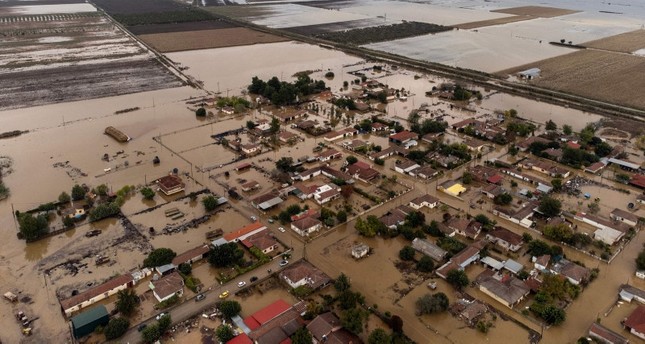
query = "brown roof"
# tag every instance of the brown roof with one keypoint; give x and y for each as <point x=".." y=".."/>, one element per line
<point x="404" y="135"/>
<point x="250" y="184"/>
<point x="328" y="153"/>
<point x="599" y="331"/>
<point x="266" y="197"/>
<point x="303" y="269"/>
<point x="625" y="214"/>
<point x="506" y="235"/>
<point x="190" y="254"/>
<point x="305" y="223"/>
<point x="425" y="198"/>
<point x="465" y="254"/>
<point x="98" y="290"/>
<point x="262" y="240"/>
<point x="169" y="182"/>
<point x="168" y="285"/>
<point x="323" y="325"/>
<point x="636" y="320"/>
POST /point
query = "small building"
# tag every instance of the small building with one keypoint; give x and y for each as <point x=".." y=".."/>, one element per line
<point x="85" y="323"/>
<point x="505" y="239"/>
<point x="96" y="294"/>
<point x="306" y="226"/>
<point x="464" y="227"/>
<point x="244" y="232"/>
<point x="250" y="186"/>
<point x="406" y="166"/>
<point x="424" y="201"/>
<point x="263" y="241"/>
<point x="492" y="263"/>
<point x="288" y="137"/>
<point x="303" y="273"/>
<point x="377" y="126"/>
<point x="492" y="190"/>
<point x="628" y="293"/>
<point x="513" y="266"/>
<point x="326" y="193"/>
<point x="575" y="273"/>
<point x="541" y="263"/>
<point x="426" y="172"/>
<point x="429" y="249"/>
<point x="640" y="274"/>
<point x="362" y="171"/>
<point x="167" y="287"/>
<point x="508" y="290"/>
<point x="452" y="188"/>
<point x="403" y="137"/>
<point x="624" y="217"/>
<point x="595" y="168"/>
<point x="461" y="260"/>
<point x="360" y="250"/>
<point x="329" y="154"/>
<point x="170" y="184"/>
<point x="191" y="256"/>
<point x="635" y="322"/>
<point x="529" y="74"/>
<point x="251" y="149"/>
<point x="605" y="335"/>
<point x="267" y="201"/>
<point x="326" y="328"/>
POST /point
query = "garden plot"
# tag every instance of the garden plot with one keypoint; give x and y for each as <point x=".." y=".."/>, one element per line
<point x="290" y="15"/>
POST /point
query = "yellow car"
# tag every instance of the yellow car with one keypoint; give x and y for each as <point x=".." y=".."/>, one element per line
<point x="223" y="295"/>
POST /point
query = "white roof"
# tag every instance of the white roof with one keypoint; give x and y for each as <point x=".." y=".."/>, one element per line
<point x="492" y="262"/>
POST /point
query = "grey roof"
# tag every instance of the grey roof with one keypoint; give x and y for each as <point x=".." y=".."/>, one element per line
<point x="492" y="262"/>
<point x="513" y="266"/>
<point x="239" y="322"/>
<point x="270" y="203"/>
<point x="219" y="241"/>
<point x="510" y="291"/>
<point x="429" y="249"/>
<point x="165" y="268"/>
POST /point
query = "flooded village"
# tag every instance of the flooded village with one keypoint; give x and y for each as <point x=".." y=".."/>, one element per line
<point x="231" y="172"/>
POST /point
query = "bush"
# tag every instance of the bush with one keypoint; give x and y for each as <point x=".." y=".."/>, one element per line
<point x="210" y="203"/>
<point x="407" y="253"/>
<point x="116" y="328"/>
<point x="147" y="193"/>
<point x="201" y="112"/>
<point x="159" y="257"/>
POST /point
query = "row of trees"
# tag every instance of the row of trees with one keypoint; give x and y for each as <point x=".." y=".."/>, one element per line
<point x="285" y="93"/>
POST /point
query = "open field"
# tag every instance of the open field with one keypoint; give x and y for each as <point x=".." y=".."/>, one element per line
<point x="139" y="6"/>
<point x="582" y="72"/>
<point x="536" y="11"/>
<point x="179" y="27"/>
<point x="205" y="39"/>
<point x="627" y="42"/>
<point x="491" y="22"/>
<point x="311" y="30"/>
<point x="53" y="58"/>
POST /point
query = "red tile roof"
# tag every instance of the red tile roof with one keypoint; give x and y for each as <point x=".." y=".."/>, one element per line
<point x="98" y="290"/>
<point x="636" y="320"/>
<point x="495" y="179"/>
<point x="240" y="339"/>
<point x="404" y="135"/>
<point x="243" y="231"/>
<point x="638" y="180"/>
<point x="271" y="311"/>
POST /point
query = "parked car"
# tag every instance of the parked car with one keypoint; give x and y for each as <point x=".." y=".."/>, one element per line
<point x="254" y="278"/>
<point x="161" y="315"/>
<point x="142" y="327"/>
<point x="254" y="218"/>
<point x="241" y="284"/>
<point x="224" y="294"/>
<point x="200" y="297"/>
<point x="281" y="229"/>
<point x="284" y="262"/>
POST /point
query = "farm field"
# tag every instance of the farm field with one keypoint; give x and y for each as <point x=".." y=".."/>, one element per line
<point x="205" y="39"/>
<point x="491" y="22"/>
<point x="584" y="72"/>
<point x="627" y="42"/>
<point x="179" y="27"/>
<point x="536" y="11"/>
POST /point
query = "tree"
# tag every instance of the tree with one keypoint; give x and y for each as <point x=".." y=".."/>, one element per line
<point x="116" y="328"/>
<point x="415" y="219"/>
<point x="151" y="334"/>
<point x="32" y="227"/>
<point x="78" y="192"/>
<point x="225" y="255"/>
<point x="560" y="232"/>
<point x="553" y="315"/>
<point x="364" y="228"/>
<point x="425" y="264"/>
<point x="406" y="253"/>
<point x="351" y="159"/>
<point x="164" y="323"/>
<point x="224" y="333"/>
<point x="201" y="112"/>
<point x="379" y="336"/>
<point x="302" y="336"/>
<point x="285" y="164"/>
<point x="550" y="206"/>
<point x="210" y="203"/>
<point x="428" y="304"/>
<point x="64" y="197"/>
<point x="567" y="130"/>
<point x="274" y="126"/>
<point x="352" y="320"/>
<point x="102" y="190"/>
<point x="503" y="199"/>
<point x="342" y="283"/>
<point x="550" y="125"/>
<point x="538" y="248"/>
<point x="348" y="299"/>
<point x="640" y="261"/>
<point x="396" y="324"/>
<point x="250" y="125"/>
<point x="185" y="268"/>
<point x="603" y="149"/>
<point x="126" y="301"/>
<point x="527" y="237"/>
<point x="159" y="257"/>
<point x="147" y="193"/>
<point x="467" y="178"/>
<point x="457" y="278"/>
<point x="557" y="184"/>
<point x="229" y="308"/>
<point x="341" y="216"/>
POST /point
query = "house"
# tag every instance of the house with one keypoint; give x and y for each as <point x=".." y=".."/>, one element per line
<point x="544" y="167"/>
<point x="251" y="149"/>
<point x="607" y="231"/>
<point x="228" y="110"/>
<point x="329" y="155"/>
<point x="326" y="193"/>
<point x="191" y="256"/>
<point x="403" y="137"/>
<point x="640" y="274"/>
<point x="266" y="314"/>
<point x="507" y="290"/>
<point x="383" y="154"/>
<point x="289" y="116"/>
<point x="406" y="166"/>
<point x="263" y="241"/>
<point x="467" y="228"/>
<point x="526" y="144"/>
<point x="170" y="184"/>
<point x="635" y="322"/>
<point x="595" y="168"/>
<point x="335" y="174"/>
<point x="326" y="328"/>
<point x="308" y="174"/>
<point x="393" y="219"/>
<point x="575" y="273"/>
<point x="431" y="137"/>
<point x="96" y="294"/>
<point x="424" y="201"/>
<point x="341" y="134"/>
<point x="624" y="217"/>
<point x="638" y="180"/>
<point x="410" y="144"/>
<point x="360" y="250"/>
<point x="287" y="137"/>
<point x="165" y="269"/>
<point x="267" y="201"/>
<point x="355" y="145"/>
<point x="242" y="167"/>
<point x="245" y="232"/>
<point x="483" y="174"/>
<point x="469" y="311"/>
<point x="605" y="335"/>
<point x="628" y="293"/>
<point x="493" y="190"/>
<point x="429" y="249"/>
<point x="76" y="212"/>
<point x="465" y="123"/>
<point x="250" y="186"/>
<point x="452" y="188"/>
<point x="541" y="263"/>
<point x="521" y="215"/>
<point x="306" y="226"/>
<point x="167" y="287"/>
<point x="475" y="145"/>
<point x="280" y="328"/>
<point x="362" y="171"/>
<point x="461" y="260"/>
<point x="377" y="127"/>
<point x="426" y="172"/>
<point x="85" y="323"/>
<point x="555" y="154"/>
<point x="303" y="273"/>
<point x="505" y="238"/>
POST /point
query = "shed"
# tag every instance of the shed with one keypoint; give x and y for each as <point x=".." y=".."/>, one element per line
<point x="86" y="322"/>
<point x="513" y="266"/>
<point x="530" y="74"/>
<point x="493" y="263"/>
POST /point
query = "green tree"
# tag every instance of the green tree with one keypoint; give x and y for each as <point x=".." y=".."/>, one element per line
<point x="406" y="253"/>
<point x="201" y="112"/>
<point x="341" y="216"/>
<point x="225" y="255"/>
<point x="425" y="264"/>
<point x="78" y="192"/>
<point x="151" y="334"/>
<point x="285" y="164"/>
<point x="342" y="283"/>
<point x="116" y="328"/>
<point x="64" y="197"/>
<point x="379" y="336"/>
<point x="126" y="301"/>
<point x="164" y="323"/>
<point x="428" y="304"/>
<point x="250" y="125"/>
<point x="148" y="193"/>
<point x="557" y="184"/>
<point x="503" y="199"/>
<point x="210" y="203"/>
<point x="274" y="127"/>
<point x="364" y="228"/>
<point x="567" y="130"/>
<point x="457" y="278"/>
<point x="229" y="308"/>
<point x="467" y="178"/>
<point x="302" y="336"/>
<point x="603" y="149"/>
<point x="640" y="261"/>
<point x="32" y="227"/>
<point x="550" y="206"/>
<point x="102" y="190"/>
<point x="550" y="125"/>
<point x="553" y="315"/>
<point x="224" y="333"/>
<point x="185" y="268"/>
<point x="352" y="320"/>
<point x="159" y="257"/>
<point x="351" y="159"/>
